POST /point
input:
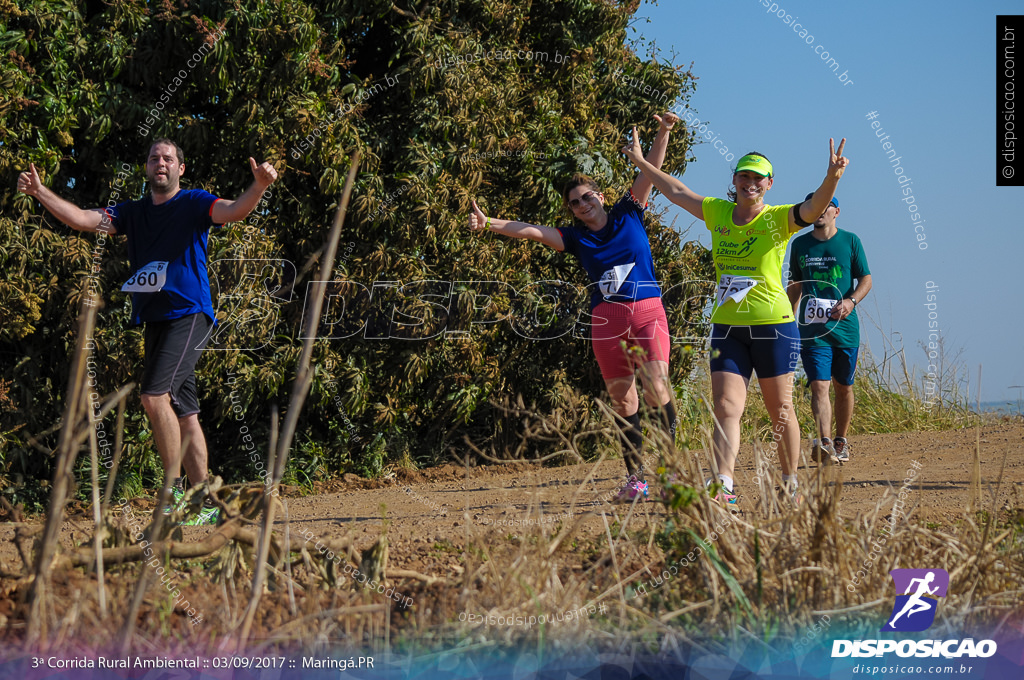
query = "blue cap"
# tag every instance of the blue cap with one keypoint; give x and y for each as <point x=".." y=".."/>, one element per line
<point x="835" y="201"/>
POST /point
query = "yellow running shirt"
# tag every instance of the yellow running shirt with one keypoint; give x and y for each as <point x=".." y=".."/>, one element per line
<point x="748" y="264"/>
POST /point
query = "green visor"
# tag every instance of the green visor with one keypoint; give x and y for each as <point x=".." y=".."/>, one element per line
<point x="757" y="164"/>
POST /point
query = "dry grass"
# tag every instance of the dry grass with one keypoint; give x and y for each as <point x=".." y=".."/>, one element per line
<point x="767" y="574"/>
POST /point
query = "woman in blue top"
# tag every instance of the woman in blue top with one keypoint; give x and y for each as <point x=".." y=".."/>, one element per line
<point x="613" y="248"/>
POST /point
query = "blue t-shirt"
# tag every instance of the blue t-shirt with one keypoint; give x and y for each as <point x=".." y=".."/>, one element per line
<point x="618" y="258"/>
<point x="174" y="232"/>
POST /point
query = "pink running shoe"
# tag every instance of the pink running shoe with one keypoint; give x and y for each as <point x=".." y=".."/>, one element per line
<point x="723" y="495"/>
<point x="726" y="497"/>
<point x="633" y="488"/>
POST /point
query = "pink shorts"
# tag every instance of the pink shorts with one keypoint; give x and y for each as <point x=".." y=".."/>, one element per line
<point x="639" y="324"/>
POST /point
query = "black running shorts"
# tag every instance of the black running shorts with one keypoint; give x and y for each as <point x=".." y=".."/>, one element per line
<point x="172" y="350"/>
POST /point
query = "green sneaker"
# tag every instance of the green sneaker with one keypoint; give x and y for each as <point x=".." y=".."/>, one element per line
<point x="209" y="514"/>
<point x="177" y="494"/>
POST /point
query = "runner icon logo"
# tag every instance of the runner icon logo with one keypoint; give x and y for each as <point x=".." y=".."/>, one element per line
<point x="914" y="609"/>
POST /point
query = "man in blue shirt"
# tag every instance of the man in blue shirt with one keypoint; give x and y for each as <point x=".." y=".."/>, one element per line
<point x="167" y="233"/>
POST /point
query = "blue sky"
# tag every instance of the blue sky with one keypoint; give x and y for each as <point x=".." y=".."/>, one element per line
<point x="930" y="75"/>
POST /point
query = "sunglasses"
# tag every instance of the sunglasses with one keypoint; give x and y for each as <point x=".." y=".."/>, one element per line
<point x="577" y="202"/>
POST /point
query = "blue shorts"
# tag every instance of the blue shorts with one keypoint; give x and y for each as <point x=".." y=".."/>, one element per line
<point x="770" y="350"/>
<point x="830" y="363"/>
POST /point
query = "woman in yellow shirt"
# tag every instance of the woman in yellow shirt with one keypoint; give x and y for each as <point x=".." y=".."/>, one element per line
<point x="753" y="324"/>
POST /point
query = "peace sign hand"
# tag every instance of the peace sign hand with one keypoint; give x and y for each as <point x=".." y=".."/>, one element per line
<point x="632" y="150"/>
<point x="836" y="161"/>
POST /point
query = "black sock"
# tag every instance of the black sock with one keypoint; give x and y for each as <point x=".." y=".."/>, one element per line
<point x="667" y="413"/>
<point x="632" y="444"/>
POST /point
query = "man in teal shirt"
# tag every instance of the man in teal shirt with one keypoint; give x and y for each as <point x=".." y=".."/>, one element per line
<point x="828" y="277"/>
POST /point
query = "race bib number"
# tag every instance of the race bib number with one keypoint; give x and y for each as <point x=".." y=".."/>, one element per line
<point x="734" y="288"/>
<point x="148" y="279"/>
<point x="818" y="310"/>
<point x="612" y="279"/>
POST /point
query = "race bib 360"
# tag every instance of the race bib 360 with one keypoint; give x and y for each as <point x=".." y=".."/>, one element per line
<point x="149" y="279"/>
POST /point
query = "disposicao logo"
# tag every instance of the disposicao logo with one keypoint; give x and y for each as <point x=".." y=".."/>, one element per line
<point x="914" y="610"/>
<point x="917" y="593"/>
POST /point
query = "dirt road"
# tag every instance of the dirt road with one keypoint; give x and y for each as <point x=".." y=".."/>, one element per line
<point x="432" y="513"/>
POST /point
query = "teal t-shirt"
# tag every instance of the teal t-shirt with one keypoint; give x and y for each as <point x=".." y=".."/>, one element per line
<point x="826" y="271"/>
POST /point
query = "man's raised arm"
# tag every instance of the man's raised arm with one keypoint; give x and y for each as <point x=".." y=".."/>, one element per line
<point x="65" y="211"/>
<point x="225" y="211"/>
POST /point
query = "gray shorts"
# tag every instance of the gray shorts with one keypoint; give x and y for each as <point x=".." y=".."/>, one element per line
<point x="173" y="349"/>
